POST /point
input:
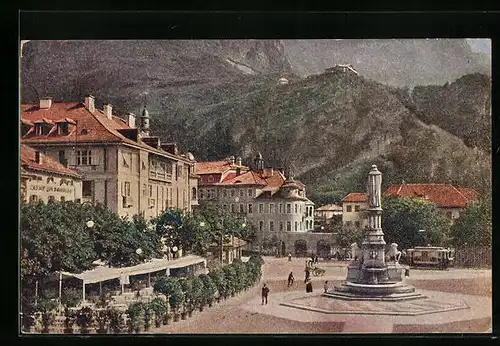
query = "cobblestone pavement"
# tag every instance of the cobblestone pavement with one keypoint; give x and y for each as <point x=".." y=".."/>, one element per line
<point x="245" y="313"/>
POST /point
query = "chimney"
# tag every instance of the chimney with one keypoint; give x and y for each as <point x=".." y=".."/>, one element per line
<point x="108" y="111"/>
<point x="238" y="161"/>
<point x="38" y="157"/>
<point x="89" y="103"/>
<point x="231" y="160"/>
<point x="131" y="120"/>
<point x="45" y="102"/>
<point x="238" y="170"/>
<point x="271" y="171"/>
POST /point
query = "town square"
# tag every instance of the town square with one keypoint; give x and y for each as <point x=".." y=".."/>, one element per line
<point x="255" y="187"/>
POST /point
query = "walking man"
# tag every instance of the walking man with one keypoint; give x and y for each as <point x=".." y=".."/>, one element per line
<point x="290" y="279"/>
<point x="265" y="292"/>
<point x="325" y="287"/>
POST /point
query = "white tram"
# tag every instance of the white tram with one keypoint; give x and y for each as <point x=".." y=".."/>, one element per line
<point x="430" y="256"/>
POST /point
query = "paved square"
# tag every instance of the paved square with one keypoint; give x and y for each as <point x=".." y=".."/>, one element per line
<point x="407" y="308"/>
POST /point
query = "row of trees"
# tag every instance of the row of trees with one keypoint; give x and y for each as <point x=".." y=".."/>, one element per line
<point x="58" y="236"/>
<point x="181" y="297"/>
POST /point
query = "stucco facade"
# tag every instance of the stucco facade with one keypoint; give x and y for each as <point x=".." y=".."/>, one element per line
<point x="121" y="167"/>
<point x="353" y="210"/>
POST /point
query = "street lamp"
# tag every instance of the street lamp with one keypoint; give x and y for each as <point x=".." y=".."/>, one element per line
<point x="90" y="224"/>
<point x="138" y="251"/>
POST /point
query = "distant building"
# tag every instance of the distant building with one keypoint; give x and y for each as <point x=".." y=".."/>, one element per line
<point x="354" y="206"/>
<point x="448" y="199"/>
<point x="342" y="68"/>
<point x="328" y="211"/>
<point x="46" y="180"/>
<point x="273" y="203"/>
<point x="232" y="249"/>
<point x="283" y="81"/>
<point x="123" y="166"/>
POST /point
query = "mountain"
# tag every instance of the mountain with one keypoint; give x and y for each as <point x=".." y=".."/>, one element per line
<point x="220" y="98"/>
<point x="397" y="62"/>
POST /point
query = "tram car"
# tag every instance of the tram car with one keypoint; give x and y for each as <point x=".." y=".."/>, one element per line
<point x="431" y="257"/>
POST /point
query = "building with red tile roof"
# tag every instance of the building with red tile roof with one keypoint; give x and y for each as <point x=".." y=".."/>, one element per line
<point x="354" y="205"/>
<point x="448" y="199"/>
<point x="45" y="179"/>
<point x="123" y="165"/>
<point x="264" y="196"/>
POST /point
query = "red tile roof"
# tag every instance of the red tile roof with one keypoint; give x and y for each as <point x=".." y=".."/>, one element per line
<point x="98" y="128"/>
<point x="442" y="195"/>
<point x="468" y="193"/>
<point x="211" y="167"/>
<point x="356" y="197"/>
<point x="47" y="164"/>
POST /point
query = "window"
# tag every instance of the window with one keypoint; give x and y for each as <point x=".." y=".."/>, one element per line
<point x="296" y="208"/>
<point x="63" y="199"/>
<point x="349" y="208"/>
<point x="52" y="199"/>
<point x="261" y="225"/>
<point x="180" y="172"/>
<point x="356" y="223"/>
<point x="288" y="208"/>
<point x="233" y="208"/>
<point x="150" y="190"/>
<point x="126" y="189"/>
<point x="261" y="208"/>
<point x="281" y="226"/>
<point x="84" y="157"/>
<point x="193" y="193"/>
<point x="250" y="208"/>
<point x="233" y="193"/>
<point x="87" y="188"/>
<point x="281" y="208"/>
<point x="242" y="193"/>
<point x="356" y="207"/>
<point x="250" y="192"/>
<point x="271" y="226"/>
<point x="242" y="208"/>
<point x="288" y="226"/>
<point x="33" y="198"/>
<point x="271" y="208"/>
<point x="296" y="226"/>
<point x="62" y="157"/>
<point x="202" y="193"/>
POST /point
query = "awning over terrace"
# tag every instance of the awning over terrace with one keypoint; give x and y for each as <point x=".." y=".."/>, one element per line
<point x="104" y="273"/>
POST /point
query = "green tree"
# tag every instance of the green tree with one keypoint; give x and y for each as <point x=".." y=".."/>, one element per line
<point x="348" y="235"/>
<point x="402" y="219"/>
<point x="474" y="226"/>
<point x="209" y="289"/>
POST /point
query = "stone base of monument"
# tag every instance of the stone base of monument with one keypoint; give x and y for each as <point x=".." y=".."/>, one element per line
<point x="394" y="291"/>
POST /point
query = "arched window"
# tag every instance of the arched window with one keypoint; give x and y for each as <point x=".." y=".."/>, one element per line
<point x="194" y="193"/>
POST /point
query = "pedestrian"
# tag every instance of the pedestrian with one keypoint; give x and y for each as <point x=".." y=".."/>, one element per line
<point x="309" y="286"/>
<point x="265" y="292"/>
<point x="290" y="279"/>
<point x="308" y="275"/>
<point x="325" y="287"/>
<point x="289" y="257"/>
<point x="316" y="259"/>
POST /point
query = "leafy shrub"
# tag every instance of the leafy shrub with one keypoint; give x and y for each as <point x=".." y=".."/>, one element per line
<point x="159" y="306"/>
<point x="84" y="319"/>
<point x="136" y="316"/>
<point x="116" y="323"/>
<point x="71" y="297"/>
<point x="209" y="289"/>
